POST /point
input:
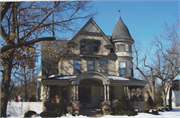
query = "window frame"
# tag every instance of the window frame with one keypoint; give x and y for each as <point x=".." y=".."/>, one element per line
<point x="132" y="73"/>
<point x="130" y="48"/>
<point x="93" y="47"/>
<point x="75" y="70"/>
<point x="124" y="47"/>
<point x="105" y="65"/>
<point x="91" y="65"/>
<point x="122" y="69"/>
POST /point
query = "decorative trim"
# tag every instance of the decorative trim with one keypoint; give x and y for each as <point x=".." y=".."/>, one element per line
<point x="91" y="74"/>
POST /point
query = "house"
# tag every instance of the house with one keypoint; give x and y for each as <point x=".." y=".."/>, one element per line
<point x="175" y="94"/>
<point x="91" y="70"/>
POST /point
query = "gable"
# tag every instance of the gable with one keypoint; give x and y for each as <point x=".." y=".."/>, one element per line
<point x="91" y="28"/>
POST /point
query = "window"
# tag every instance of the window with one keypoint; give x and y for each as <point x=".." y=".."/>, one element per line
<point x="77" y="67"/>
<point x="95" y="47"/>
<point x="130" y="48"/>
<point x="132" y="74"/>
<point x="121" y="47"/>
<point x="104" y="67"/>
<point x="122" y="68"/>
<point x="83" y="46"/>
<point x="87" y="47"/>
<point x="90" y="65"/>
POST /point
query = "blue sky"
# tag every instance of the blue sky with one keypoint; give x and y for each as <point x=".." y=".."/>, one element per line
<point x="143" y="18"/>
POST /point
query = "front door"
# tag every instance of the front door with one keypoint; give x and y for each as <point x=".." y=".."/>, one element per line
<point x="84" y="94"/>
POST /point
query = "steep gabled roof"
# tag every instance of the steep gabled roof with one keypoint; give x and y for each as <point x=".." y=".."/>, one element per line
<point x="97" y="32"/>
<point x="121" y="32"/>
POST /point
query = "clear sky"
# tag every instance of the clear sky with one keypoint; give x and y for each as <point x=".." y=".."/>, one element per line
<point x="143" y="18"/>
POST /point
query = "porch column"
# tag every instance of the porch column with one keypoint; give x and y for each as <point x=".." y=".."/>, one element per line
<point x="125" y="90"/>
<point x="45" y="92"/>
<point x="104" y="92"/>
<point x="77" y="93"/>
<point x="48" y="92"/>
<point x="108" y="92"/>
<point x="74" y="92"/>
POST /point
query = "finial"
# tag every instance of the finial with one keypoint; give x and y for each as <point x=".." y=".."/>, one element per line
<point x="119" y="12"/>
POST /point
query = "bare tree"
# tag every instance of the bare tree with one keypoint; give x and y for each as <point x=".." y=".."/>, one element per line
<point x="21" y="25"/>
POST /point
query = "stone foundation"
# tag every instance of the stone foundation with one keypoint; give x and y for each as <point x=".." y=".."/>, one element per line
<point x="105" y="105"/>
<point x="75" y="105"/>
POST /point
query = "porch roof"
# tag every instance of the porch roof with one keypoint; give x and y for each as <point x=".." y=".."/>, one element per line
<point x="114" y="80"/>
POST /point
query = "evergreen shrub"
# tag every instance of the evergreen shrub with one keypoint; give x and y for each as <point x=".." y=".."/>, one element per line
<point x="60" y="107"/>
<point x="29" y="113"/>
<point x="154" y="112"/>
<point x="60" y="110"/>
<point x="48" y="114"/>
<point x="123" y="108"/>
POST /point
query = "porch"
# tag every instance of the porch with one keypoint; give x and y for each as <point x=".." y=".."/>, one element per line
<point x="89" y="90"/>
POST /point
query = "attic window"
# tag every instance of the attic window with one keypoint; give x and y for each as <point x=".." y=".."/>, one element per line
<point x="88" y="47"/>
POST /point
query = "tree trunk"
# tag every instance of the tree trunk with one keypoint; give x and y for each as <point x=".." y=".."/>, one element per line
<point x="7" y="67"/>
<point x="170" y="98"/>
<point x="164" y="97"/>
<point x="25" y="85"/>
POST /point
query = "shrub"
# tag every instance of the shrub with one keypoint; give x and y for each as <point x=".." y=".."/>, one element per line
<point x="160" y="109"/>
<point x="76" y="113"/>
<point x="146" y="111"/>
<point x="32" y="98"/>
<point x="123" y="108"/>
<point x="131" y="113"/>
<point x="154" y="112"/>
<point x="60" y="107"/>
<point x="29" y="113"/>
<point x="166" y="109"/>
<point x="48" y="114"/>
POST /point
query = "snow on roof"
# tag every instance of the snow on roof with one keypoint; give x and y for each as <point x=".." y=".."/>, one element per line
<point x="117" y="78"/>
<point x="72" y="77"/>
<point x="67" y="77"/>
<point x="51" y="76"/>
<point x="40" y="74"/>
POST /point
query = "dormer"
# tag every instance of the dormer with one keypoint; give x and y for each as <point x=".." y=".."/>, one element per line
<point x="91" y="40"/>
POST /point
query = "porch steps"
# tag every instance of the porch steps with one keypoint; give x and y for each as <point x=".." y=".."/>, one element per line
<point x="94" y="113"/>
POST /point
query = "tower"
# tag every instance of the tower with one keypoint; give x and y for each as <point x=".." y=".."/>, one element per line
<point x="123" y="48"/>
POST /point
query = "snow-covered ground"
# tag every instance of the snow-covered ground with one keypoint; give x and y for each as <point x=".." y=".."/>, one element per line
<point x="14" y="110"/>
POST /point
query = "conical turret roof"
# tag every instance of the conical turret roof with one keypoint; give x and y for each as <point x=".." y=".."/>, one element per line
<point x="121" y="32"/>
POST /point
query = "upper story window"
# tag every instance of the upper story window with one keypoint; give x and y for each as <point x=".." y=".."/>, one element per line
<point x="77" y="66"/>
<point x="130" y="48"/>
<point x="104" y="67"/>
<point x="121" y="47"/>
<point x="88" y="47"/>
<point x="90" y="65"/>
<point x="122" y="68"/>
<point x="132" y="74"/>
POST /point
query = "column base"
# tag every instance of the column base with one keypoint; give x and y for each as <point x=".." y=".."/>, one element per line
<point x="75" y="105"/>
<point x="105" y="105"/>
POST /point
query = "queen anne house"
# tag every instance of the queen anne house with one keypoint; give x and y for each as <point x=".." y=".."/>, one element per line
<point x="90" y="70"/>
